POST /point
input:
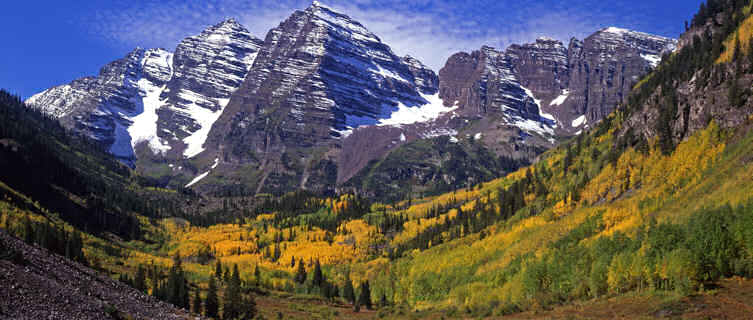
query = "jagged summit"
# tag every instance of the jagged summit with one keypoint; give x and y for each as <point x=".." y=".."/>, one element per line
<point x="323" y="70"/>
<point x="319" y="77"/>
<point x="166" y="100"/>
<point x="546" y="39"/>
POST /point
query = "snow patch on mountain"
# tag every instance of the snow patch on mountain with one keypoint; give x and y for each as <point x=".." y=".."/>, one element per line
<point x="438" y="132"/>
<point x="409" y="115"/>
<point x="532" y="126"/>
<point x="56" y="102"/>
<point x="651" y="47"/>
<point x="204" y="118"/>
<point x="579" y="121"/>
<point x="143" y="126"/>
<point x="561" y="98"/>
<point x="652" y="59"/>
<point x="546" y="118"/>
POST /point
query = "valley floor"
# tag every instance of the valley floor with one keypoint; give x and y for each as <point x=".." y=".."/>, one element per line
<point x="733" y="299"/>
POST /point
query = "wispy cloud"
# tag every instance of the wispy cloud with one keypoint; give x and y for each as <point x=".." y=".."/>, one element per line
<point x="430" y="30"/>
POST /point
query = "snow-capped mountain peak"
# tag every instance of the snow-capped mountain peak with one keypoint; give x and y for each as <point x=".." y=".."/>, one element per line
<point x="166" y="100"/>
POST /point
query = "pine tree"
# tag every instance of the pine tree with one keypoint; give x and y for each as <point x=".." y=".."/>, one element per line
<point x="257" y="275"/>
<point x="139" y="281"/>
<point x="300" y="275"/>
<point x="383" y="303"/>
<point x="737" y="54"/>
<point x="348" y="291"/>
<point x="233" y="300"/>
<point x="292" y="262"/>
<point x="750" y="54"/>
<point x="737" y="57"/>
<point x="277" y="253"/>
<point x="734" y="93"/>
<point x="318" y="276"/>
<point x="248" y="308"/>
<point x="218" y="269"/>
<point x="357" y="306"/>
<point x="28" y="230"/>
<point x="177" y="291"/>
<point x="365" y="297"/>
<point x="211" y="305"/>
<point x="196" y="302"/>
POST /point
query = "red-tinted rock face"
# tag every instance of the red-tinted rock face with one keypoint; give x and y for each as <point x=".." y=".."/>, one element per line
<point x="574" y="86"/>
<point x="606" y="65"/>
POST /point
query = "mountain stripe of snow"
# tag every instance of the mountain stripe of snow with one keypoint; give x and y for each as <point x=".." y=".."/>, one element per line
<point x="579" y="121"/>
<point x="546" y="118"/>
<point x="203" y="175"/>
<point x="205" y="118"/>
<point x="561" y="99"/>
<point x="132" y="127"/>
<point x="532" y="126"/>
<point x="197" y="179"/>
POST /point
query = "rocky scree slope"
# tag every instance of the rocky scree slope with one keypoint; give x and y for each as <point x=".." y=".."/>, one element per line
<point x="38" y="284"/>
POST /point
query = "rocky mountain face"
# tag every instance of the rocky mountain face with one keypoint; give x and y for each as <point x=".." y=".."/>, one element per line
<point x="318" y="76"/>
<point x="606" y="65"/>
<point x="322" y="98"/>
<point x="166" y="101"/>
<point x="701" y="91"/>
<point x="574" y="85"/>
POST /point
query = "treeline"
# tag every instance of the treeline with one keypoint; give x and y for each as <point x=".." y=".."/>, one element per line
<point x="54" y="238"/>
<point x="308" y="210"/>
<point x="485" y="212"/>
<point x="318" y="283"/>
<point x="173" y="287"/>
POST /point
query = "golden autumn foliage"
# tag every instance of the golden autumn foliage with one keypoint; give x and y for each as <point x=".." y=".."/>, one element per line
<point x="744" y="34"/>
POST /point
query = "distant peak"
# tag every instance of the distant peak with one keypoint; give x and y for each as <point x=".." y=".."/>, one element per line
<point x="545" y="39"/>
<point x="622" y="32"/>
<point x="224" y="27"/>
<point x="228" y="22"/>
<point x="317" y="4"/>
<point x="615" y="30"/>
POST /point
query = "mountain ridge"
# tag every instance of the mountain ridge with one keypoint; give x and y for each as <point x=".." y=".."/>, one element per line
<point x="310" y="100"/>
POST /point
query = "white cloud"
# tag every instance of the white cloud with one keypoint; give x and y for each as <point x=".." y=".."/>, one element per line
<point x="430" y="30"/>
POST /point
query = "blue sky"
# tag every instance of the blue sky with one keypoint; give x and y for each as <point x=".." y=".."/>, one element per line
<point x="49" y="43"/>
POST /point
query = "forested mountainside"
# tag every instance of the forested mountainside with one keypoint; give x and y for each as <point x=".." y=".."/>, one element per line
<point x="648" y="212"/>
